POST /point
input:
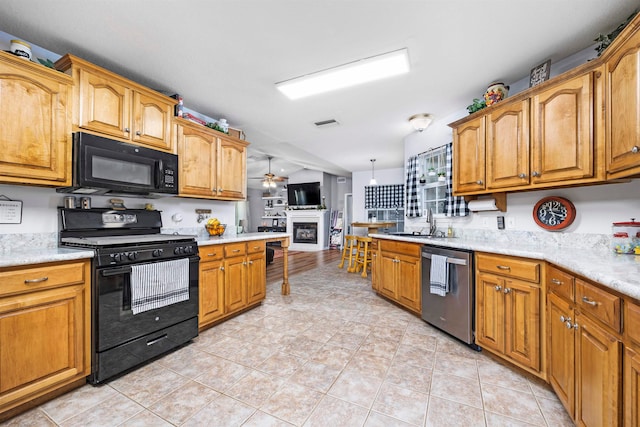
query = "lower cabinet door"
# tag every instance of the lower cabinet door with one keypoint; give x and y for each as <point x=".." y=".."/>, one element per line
<point x="631" y="387"/>
<point x="211" y="292"/>
<point x="235" y="283"/>
<point x="522" y="322"/>
<point x="408" y="283"/>
<point x="598" y="371"/>
<point x="256" y="277"/>
<point x="42" y="341"/>
<point x="561" y="339"/>
<point x="490" y="312"/>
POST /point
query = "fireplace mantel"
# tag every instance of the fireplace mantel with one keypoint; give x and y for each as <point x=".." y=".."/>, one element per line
<point x="319" y="216"/>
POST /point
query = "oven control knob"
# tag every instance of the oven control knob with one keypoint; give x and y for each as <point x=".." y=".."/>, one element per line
<point x="132" y="255"/>
<point x="156" y="252"/>
<point x="188" y="249"/>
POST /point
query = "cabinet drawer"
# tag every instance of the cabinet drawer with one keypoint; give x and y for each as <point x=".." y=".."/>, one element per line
<point x="256" y="246"/>
<point x="210" y="253"/>
<point x="18" y="280"/>
<point x="235" y="249"/>
<point x="599" y="304"/>
<point x="510" y="267"/>
<point x="411" y="249"/>
<point x="560" y="283"/>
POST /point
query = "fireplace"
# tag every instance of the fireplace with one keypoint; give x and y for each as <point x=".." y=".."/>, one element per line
<point x="305" y="232"/>
<point x="308" y="229"/>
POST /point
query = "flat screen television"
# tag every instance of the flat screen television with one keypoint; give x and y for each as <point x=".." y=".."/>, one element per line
<point x="304" y="194"/>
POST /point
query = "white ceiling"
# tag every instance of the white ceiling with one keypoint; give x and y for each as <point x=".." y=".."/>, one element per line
<point x="224" y="56"/>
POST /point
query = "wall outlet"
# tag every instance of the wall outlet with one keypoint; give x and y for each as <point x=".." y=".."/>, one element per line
<point x="500" y="222"/>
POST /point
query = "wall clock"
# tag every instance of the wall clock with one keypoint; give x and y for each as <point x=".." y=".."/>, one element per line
<point x="554" y="213"/>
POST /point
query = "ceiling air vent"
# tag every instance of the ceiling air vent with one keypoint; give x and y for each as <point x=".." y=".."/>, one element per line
<point x="327" y="123"/>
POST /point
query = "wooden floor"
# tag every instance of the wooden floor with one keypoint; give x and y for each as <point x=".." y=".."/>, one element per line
<point x="301" y="261"/>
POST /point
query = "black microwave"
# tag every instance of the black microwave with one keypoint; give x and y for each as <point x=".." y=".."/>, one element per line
<point x="106" y="166"/>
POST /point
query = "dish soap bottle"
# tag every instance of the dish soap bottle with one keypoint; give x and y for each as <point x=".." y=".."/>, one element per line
<point x="450" y="231"/>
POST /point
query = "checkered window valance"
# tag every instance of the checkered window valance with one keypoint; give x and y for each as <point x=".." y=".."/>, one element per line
<point x="384" y="196"/>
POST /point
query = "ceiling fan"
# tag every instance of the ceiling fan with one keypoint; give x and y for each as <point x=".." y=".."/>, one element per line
<point x="269" y="179"/>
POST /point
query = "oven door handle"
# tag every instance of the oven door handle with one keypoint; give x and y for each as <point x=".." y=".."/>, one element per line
<point x="116" y="271"/>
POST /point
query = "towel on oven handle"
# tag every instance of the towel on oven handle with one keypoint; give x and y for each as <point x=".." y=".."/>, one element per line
<point x="159" y="284"/>
<point x="439" y="275"/>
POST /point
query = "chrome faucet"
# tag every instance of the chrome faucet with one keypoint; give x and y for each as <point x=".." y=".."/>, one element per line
<point x="432" y="222"/>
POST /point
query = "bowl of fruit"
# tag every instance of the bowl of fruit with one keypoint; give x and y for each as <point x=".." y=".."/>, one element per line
<point x="214" y="227"/>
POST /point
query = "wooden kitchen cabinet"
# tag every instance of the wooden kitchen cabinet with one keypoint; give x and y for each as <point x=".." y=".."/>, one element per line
<point x="399" y="273"/>
<point x="36" y="130"/>
<point x="210" y="166"/>
<point x="211" y="285"/>
<point x="232" y="279"/>
<point x="585" y="350"/>
<point x="509" y="308"/>
<point x="375" y="265"/>
<point x="45" y="330"/>
<point x="547" y="136"/>
<point x="631" y="363"/>
<point x="508" y="145"/>
<point x="622" y="76"/>
<point x="112" y="105"/>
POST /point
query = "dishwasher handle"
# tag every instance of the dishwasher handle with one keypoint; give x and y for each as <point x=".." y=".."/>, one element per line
<point x="450" y="260"/>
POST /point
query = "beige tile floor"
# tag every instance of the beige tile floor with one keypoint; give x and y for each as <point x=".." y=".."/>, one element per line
<point x="330" y="354"/>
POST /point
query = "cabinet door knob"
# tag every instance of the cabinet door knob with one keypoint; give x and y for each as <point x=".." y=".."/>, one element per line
<point x="535" y="173"/>
<point x="635" y="149"/>
<point x="127" y="130"/>
<point x="507" y="290"/>
<point x="479" y="182"/>
<point x="498" y="288"/>
<point x="220" y="190"/>
<point x="250" y="262"/>
<point x="522" y="175"/>
<point x="138" y="133"/>
<point x="221" y="268"/>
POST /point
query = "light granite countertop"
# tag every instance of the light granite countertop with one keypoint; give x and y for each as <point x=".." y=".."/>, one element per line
<point x="246" y="237"/>
<point x="41" y="255"/>
<point x="25" y="256"/>
<point x="618" y="272"/>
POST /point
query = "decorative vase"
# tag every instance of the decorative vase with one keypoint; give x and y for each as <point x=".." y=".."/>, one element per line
<point x="495" y="92"/>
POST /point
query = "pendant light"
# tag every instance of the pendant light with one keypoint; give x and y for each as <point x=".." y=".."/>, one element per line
<point x="373" y="178"/>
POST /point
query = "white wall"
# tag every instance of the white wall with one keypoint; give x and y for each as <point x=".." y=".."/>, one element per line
<point x="40" y="215"/>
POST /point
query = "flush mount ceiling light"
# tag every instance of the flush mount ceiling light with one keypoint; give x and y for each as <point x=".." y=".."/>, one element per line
<point x="420" y="121"/>
<point x="373" y="181"/>
<point x="351" y="74"/>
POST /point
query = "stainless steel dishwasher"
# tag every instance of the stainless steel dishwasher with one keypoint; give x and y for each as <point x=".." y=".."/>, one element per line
<point x="454" y="312"/>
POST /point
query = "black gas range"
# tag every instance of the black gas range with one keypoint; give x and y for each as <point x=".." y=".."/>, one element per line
<point x="144" y="285"/>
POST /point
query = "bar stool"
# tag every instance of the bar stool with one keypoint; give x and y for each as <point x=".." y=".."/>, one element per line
<point x="363" y="254"/>
<point x="348" y="251"/>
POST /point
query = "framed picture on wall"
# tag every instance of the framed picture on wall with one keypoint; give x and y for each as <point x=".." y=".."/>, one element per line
<point x="540" y="73"/>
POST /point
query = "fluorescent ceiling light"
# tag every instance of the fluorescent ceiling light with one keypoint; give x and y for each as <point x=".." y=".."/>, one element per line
<point x="351" y="74"/>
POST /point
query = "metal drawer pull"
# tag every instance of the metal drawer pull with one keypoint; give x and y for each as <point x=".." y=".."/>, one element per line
<point x="556" y="282"/>
<point x="236" y="250"/>
<point x="456" y="261"/>
<point x="503" y="267"/>
<point x="152" y="342"/>
<point x="590" y="302"/>
<point x="213" y="254"/>
<point x="41" y="279"/>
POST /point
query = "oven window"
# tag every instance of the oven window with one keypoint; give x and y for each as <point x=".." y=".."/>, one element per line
<point x="121" y="170"/>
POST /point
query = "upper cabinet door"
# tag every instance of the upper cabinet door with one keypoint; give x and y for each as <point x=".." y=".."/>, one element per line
<point x="152" y="121"/>
<point x="508" y="145"/>
<point x="104" y="105"/>
<point x="622" y="117"/>
<point x="563" y="137"/>
<point x="469" y="157"/>
<point x="36" y="130"/>
<point x="232" y="169"/>
<point x="196" y="161"/>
